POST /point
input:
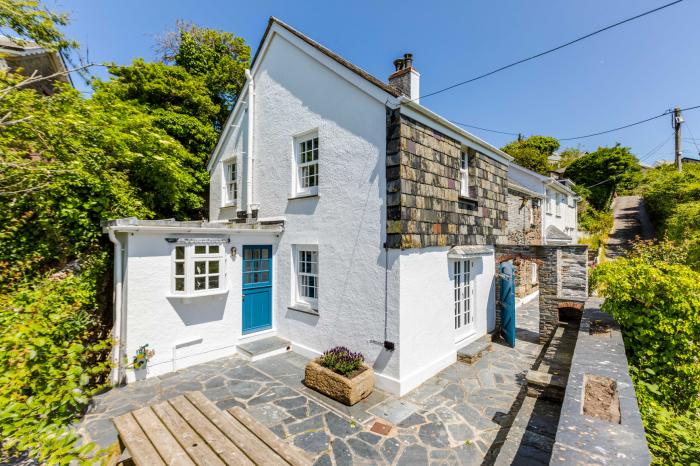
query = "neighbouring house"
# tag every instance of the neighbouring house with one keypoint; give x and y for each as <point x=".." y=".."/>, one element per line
<point x="342" y="212"/>
<point x="30" y="59"/>
<point x="541" y="211"/>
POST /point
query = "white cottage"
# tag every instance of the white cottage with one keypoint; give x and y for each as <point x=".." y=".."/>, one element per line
<point x="342" y="212"/>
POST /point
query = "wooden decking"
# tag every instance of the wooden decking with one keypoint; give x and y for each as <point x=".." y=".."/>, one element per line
<point x="191" y="430"/>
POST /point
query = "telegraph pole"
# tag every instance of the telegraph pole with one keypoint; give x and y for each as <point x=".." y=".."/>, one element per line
<point x="677" y="121"/>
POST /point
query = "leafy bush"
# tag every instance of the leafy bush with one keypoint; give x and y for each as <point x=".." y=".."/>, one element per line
<point x="673" y="202"/>
<point x="656" y="300"/>
<point x="658" y="307"/>
<point x="673" y="436"/>
<point x="52" y="359"/>
<point x="341" y="360"/>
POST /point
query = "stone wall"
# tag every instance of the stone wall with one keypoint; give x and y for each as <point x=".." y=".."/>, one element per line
<point x="562" y="274"/>
<point x="582" y="439"/>
<point x="424" y="207"/>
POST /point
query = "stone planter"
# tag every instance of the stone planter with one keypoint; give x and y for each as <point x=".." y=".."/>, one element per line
<point x="338" y="387"/>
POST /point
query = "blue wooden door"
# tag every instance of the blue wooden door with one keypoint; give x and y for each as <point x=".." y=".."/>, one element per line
<point x="507" y="298"/>
<point x="257" y="288"/>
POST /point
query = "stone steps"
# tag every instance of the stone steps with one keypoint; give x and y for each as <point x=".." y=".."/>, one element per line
<point x="472" y="352"/>
<point x="264" y="348"/>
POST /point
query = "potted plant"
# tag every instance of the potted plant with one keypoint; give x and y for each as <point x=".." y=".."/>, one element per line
<point x="340" y="374"/>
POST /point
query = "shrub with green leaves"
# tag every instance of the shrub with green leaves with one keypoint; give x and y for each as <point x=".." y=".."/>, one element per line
<point x="657" y="304"/>
<point x="52" y="359"/>
<point x="656" y="300"/>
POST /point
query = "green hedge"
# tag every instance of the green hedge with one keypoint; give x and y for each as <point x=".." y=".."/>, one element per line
<point x="656" y="300"/>
<point x="50" y="351"/>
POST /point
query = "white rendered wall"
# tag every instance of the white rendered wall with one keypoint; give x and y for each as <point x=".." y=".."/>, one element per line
<point x="162" y="321"/>
<point x="566" y="221"/>
<point x="427" y="311"/>
<point x="296" y="94"/>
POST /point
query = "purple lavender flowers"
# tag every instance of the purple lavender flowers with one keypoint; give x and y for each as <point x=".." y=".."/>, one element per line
<point x="341" y="360"/>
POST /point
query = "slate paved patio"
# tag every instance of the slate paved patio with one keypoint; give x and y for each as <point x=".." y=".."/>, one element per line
<point x="453" y="418"/>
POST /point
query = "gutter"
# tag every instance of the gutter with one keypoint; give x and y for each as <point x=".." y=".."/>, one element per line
<point x="118" y="320"/>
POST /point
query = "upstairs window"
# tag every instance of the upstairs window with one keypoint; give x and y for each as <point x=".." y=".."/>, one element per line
<point x="306" y="264"/>
<point x="464" y="174"/>
<point x="307" y="165"/>
<point x="231" y="182"/>
<point x="558" y="204"/>
<point x="198" y="268"/>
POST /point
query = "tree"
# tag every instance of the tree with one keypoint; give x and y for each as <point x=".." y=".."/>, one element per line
<point x="27" y="19"/>
<point x="219" y="58"/>
<point x="568" y="155"/>
<point x="533" y="153"/>
<point x="601" y="173"/>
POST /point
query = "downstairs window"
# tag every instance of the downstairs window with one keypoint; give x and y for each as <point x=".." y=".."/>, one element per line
<point x="198" y="268"/>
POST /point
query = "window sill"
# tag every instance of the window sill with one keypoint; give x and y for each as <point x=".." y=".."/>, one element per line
<point x="467" y="203"/>
<point x="187" y="297"/>
<point x="305" y="308"/>
<point x="229" y="204"/>
<point x="303" y="196"/>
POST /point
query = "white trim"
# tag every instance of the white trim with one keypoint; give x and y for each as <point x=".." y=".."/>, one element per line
<point x="181" y="229"/>
<point x="297" y="140"/>
<point x="296" y="298"/>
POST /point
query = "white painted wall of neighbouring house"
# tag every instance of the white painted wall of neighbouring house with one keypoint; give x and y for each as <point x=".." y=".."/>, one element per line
<point x="427" y="299"/>
<point x="566" y="217"/>
<point x="182" y="332"/>
<point x="295" y="94"/>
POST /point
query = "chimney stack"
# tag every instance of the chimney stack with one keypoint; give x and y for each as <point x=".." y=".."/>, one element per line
<point x="405" y="78"/>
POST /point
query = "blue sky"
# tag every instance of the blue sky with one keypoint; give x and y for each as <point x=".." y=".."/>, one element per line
<point x="624" y="75"/>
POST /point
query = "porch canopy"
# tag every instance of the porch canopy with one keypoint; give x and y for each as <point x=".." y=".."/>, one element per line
<point x="462" y="252"/>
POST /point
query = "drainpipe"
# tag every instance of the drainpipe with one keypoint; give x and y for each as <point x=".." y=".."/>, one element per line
<point x="117" y="323"/>
<point x="251" y="158"/>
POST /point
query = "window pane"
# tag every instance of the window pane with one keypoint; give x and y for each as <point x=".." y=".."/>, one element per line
<point x="179" y="284"/>
<point x="200" y="268"/>
<point x="200" y="249"/>
<point x="247" y="266"/>
<point x="213" y="266"/>
<point x="179" y="268"/>
<point x="214" y="249"/>
<point x="179" y="252"/>
<point x="265" y="253"/>
<point x="248" y="254"/>
<point x="213" y="282"/>
<point x="265" y="277"/>
<point x="200" y="283"/>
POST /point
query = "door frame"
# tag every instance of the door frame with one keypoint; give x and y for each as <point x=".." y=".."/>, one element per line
<point x="271" y="327"/>
<point x="465" y="331"/>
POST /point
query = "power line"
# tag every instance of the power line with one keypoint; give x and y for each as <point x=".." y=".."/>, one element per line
<point x="484" y="129"/>
<point x="667" y="112"/>
<point x="559" y="47"/>
<point x="641" y="159"/>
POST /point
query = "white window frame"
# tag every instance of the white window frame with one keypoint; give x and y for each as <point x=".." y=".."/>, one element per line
<point x="298" y="298"/>
<point x="463" y="287"/>
<point x="548" y="205"/>
<point x="299" y="166"/>
<point x="230" y="184"/>
<point x="191" y="256"/>
<point x="533" y="273"/>
<point x="464" y="173"/>
<point x="557" y="205"/>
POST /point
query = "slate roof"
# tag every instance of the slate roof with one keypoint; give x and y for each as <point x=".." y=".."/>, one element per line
<point x="554" y="233"/>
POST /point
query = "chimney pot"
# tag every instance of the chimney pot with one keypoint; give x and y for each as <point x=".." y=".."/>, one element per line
<point x="406" y="78"/>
